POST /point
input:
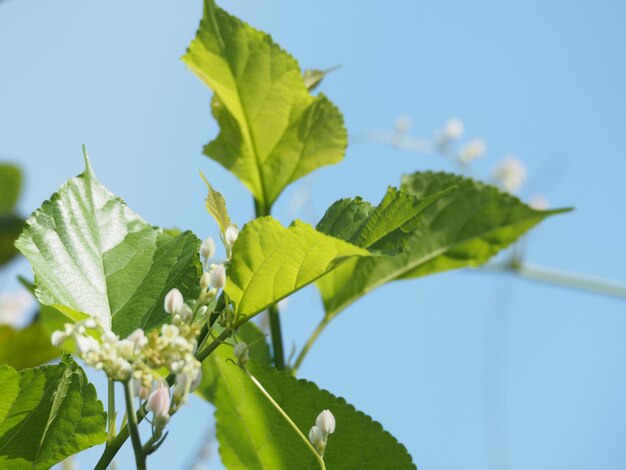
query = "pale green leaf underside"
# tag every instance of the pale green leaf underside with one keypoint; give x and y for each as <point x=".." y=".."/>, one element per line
<point x="270" y="262"/>
<point x="465" y="228"/>
<point x="46" y="415"/>
<point x="28" y="347"/>
<point x="92" y="255"/>
<point x="253" y="435"/>
<point x="272" y="130"/>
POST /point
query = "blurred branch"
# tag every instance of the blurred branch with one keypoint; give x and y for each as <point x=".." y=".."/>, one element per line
<point x="560" y="278"/>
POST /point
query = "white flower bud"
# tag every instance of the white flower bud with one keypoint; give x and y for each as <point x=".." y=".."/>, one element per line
<point x="316" y="436"/>
<point x="90" y="323"/>
<point x="242" y="353"/>
<point x="474" y="149"/>
<point x="58" y="338"/>
<point x="325" y="422"/>
<point x="511" y="174"/>
<point x="230" y="235"/>
<point x="159" y="401"/>
<point x="217" y="277"/>
<point x="174" y="301"/>
<point x="205" y="280"/>
<point x="454" y="129"/>
<point x="207" y="248"/>
<point x="139" y="390"/>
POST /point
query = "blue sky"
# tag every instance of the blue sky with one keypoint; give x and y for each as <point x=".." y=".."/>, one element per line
<point x="468" y="370"/>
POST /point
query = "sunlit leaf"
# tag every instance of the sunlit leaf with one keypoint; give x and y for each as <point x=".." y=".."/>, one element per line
<point x="466" y="227"/>
<point x="92" y="255"/>
<point x="27" y="347"/>
<point x="270" y="262"/>
<point x="216" y="206"/>
<point x="253" y="435"/>
<point x="272" y="130"/>
<point x="46" y="415"/>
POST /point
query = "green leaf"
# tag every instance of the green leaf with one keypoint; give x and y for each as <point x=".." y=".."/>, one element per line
<point x="46" y="415"/>
<point x="93" y="256"/>
<point x="272" y="130"/>
<point x="253" y="435"/>
<point x="11" y="184"/>
<point x="465" y="227"/>
<point x="258" y="350"/>
<point x="28" y="347"/>
<point x="270" y="262"/>
<point x="10" y="228"/>
<point x="216" y="206"/>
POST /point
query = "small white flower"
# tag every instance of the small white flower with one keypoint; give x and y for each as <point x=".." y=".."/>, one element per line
<point x="510" y="174"/>
<point x="242" y="353"/>
<point x="14" y="307"/>
<point x="474" y="149"/>
<point x="174" y="302"/>
<point x="159" y="401"/>
<point x="230" y="235"/>
<point x="539" y="203"/>
<point x="138" y="338"/>
<point x="207" y="248"/>
<point x="217" y="276"/>
<point x="454" y="129"/>
<point x="402" y="124"/>
<point x="326" y="422"/>
<point x="86" y="345"/>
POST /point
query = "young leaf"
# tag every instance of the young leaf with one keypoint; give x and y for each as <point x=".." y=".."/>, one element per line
<point x="28" y="347"/>
<point x="253" y="435"/>
<point x="272" y="130"/>
<point x="46" y="415"/>
<point x="92" y="255"/>
<point x="11" y="184"/>
<point x="270" y="262"/>
<point x="216" y="206"/>
<point x="465" y="228"/>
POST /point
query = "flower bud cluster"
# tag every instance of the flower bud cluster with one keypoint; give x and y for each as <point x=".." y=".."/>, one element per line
<point x="510" y="174"/>
<point x="318" y="435"/>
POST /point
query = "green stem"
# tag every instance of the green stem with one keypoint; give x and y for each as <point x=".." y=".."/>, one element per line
<point x="277" y="337"/>
<point x="133" y="426"/>
<point x="305" y="349"/>
<point x="116" y="444"/>
<point x="560" y="278"/>
<point x="286" y="416"/>
<point x="111" y="411"/>
<point x="276" y="331"/>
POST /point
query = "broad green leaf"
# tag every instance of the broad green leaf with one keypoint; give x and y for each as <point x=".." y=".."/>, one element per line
<point x="92" y="255"/>
<point x="216" y="206"/>
<point x="464" y="228"/>
<point x="28" y="347"/>
<point x="10" y="228"/>
<point x="272" y="130"/>
<point x="253" y="435"/>
<point x="259" y="350"/>
<point x="11" y="184"/>
<point x="46" y="415"/>
<point x="270" y="262"/>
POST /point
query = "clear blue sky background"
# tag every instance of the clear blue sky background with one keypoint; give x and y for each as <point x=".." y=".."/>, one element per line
<point x="468" y="370"/>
